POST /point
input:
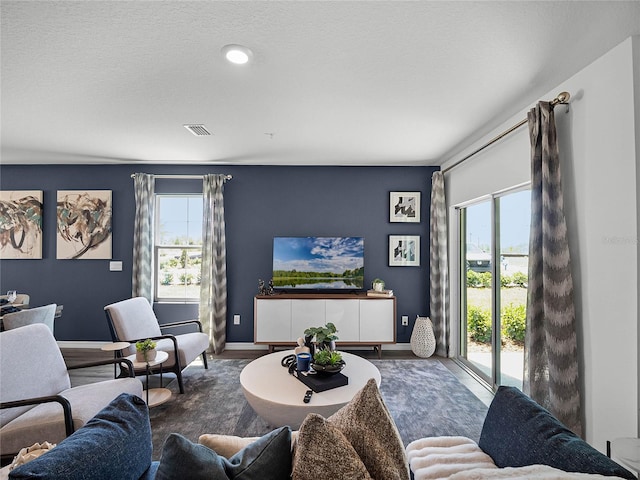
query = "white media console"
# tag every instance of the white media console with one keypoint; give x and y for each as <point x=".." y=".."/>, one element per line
<point x="279" y="320"/>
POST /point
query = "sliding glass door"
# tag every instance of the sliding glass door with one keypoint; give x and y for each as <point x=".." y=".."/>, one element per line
<point x="494" y="243"/>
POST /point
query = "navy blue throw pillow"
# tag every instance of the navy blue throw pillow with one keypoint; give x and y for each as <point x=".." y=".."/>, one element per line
<point x="116" y="443"/>
<point x="518" y="432"/>
<point x="268" y="458"/>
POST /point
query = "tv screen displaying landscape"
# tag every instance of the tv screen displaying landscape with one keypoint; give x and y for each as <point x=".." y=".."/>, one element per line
<point x="323" y="263"/>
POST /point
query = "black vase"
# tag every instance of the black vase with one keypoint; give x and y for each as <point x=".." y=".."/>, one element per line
<point x="308" y="342"/>
<point x="328" y="345"/>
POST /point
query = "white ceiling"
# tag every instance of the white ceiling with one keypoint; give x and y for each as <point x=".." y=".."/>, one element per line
<point x="335" y="83"/>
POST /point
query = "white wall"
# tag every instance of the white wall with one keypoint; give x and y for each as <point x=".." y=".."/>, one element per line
<point x="599" y="153"/>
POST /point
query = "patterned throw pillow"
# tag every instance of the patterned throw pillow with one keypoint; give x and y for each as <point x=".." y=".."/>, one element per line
<point x="268" y="458"/>
<point x="367" y="427"/>
<point x="324" y="452"/>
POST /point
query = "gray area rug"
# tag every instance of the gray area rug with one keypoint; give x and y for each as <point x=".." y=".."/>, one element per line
<point x="423" y="396"/>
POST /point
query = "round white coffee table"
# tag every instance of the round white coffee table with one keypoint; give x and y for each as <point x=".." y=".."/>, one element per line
<point x="277" y="396"/>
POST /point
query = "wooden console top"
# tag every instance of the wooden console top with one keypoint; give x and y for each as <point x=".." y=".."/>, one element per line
<point x="321" y="296"/>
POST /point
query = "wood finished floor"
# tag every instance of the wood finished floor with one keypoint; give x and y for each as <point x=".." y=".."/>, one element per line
<point x="74" y="356"/>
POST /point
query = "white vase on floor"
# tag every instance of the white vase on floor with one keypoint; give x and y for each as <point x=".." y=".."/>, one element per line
<point x="423" y="340"/>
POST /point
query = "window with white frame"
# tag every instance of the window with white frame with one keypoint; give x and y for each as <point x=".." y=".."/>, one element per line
<point x="494" y="259"/>
<point x="178" y="247"/>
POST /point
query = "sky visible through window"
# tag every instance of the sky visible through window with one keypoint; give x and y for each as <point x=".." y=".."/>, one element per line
<point x="180" y="218"/>
<point x="515" y="213"/>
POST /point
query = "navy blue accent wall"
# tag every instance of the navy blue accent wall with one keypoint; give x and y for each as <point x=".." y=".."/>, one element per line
<point x="260" y="202"/>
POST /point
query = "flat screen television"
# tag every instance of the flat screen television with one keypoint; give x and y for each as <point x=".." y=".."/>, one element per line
<point x="318" y="263"/>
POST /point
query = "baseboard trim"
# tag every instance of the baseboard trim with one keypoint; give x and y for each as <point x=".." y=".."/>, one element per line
<point x="230" y="346"/>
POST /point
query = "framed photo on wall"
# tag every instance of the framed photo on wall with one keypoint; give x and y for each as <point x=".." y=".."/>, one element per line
<point x="84" y="224"/>
<point x="21" y="224"/>
<point x="404" y="250"/>
<point x="404" y="207"/>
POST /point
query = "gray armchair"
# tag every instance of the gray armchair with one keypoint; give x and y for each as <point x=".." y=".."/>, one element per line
<point x="133" y="319"/>
<point x="30" y="316"/>
<point x="37" y="402"/>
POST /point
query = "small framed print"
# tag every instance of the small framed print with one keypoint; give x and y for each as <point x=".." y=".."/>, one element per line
<point x="404" y="250"/>
<point x="404" y="207"/>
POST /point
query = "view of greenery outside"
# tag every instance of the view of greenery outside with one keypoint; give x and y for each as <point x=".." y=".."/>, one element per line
<point x="178" y="246"/>
<point x="513" y="305"/>
<point x="501" y="222"/>
<point x="513" y="295"/>
<point x="179" y="272"/>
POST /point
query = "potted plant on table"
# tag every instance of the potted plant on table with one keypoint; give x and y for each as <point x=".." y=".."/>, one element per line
<point x="378" y="285"/>
<point x="324" y="337"/>
<point x="146" y="350"/>
<point x="327" y="361"/>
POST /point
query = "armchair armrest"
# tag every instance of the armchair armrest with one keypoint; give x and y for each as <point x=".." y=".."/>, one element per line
<point x="66" y="408"/>
<point x="127" y="363"/>
<point x="182" y="323"/>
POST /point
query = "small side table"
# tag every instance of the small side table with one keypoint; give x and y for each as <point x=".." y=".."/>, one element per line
<point x="626" y="451"/>
<point x="115" y="348"/>
<point x="155" y="396"/>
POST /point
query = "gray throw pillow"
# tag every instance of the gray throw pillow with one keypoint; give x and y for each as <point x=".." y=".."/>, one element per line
<point x="268" y="458"/>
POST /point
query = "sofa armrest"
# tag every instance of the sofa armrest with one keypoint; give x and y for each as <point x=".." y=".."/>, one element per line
<point x="66" y="407"/>
<point x="518" y="432"/>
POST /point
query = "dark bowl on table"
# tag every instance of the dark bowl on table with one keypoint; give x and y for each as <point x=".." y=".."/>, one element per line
<point x="328" y="369"/>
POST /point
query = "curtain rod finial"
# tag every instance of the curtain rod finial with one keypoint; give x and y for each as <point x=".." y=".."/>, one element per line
<point x="563" y="97"/>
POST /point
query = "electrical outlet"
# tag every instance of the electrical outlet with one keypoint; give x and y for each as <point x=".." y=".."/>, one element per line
<point x="405" y="320"/>
<point x="236" y="319"/>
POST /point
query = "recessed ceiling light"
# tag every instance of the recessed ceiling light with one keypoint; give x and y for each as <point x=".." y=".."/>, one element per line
<point x="237" y="54"/>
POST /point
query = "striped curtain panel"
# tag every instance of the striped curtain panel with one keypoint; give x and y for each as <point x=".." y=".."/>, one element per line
<point x="551" y="350"/>
<point x="213" y="286"/>
<point x="142" y="277"/>
<point x="439" y="271"/>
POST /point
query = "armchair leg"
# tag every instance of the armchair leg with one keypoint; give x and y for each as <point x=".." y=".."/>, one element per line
<point x="180" y="383"/>
<point x="204" y="360"/>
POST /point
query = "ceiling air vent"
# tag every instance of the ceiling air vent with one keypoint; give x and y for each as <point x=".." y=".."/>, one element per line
<point x="198" y="130"/>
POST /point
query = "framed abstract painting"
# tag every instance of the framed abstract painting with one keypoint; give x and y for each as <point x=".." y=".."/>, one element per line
<point x="84" y="224"/>
<point x="21" y="224"/>
<point x="404" y="250"/>
<point x="404" y="207"/>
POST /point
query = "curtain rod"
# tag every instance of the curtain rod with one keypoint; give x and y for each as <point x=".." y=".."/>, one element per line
<point x="227" y="177"/>
<point x="562" y="98"/>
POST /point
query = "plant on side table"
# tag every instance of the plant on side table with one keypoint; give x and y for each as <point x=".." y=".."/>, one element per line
<point x="146" y="350"/>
